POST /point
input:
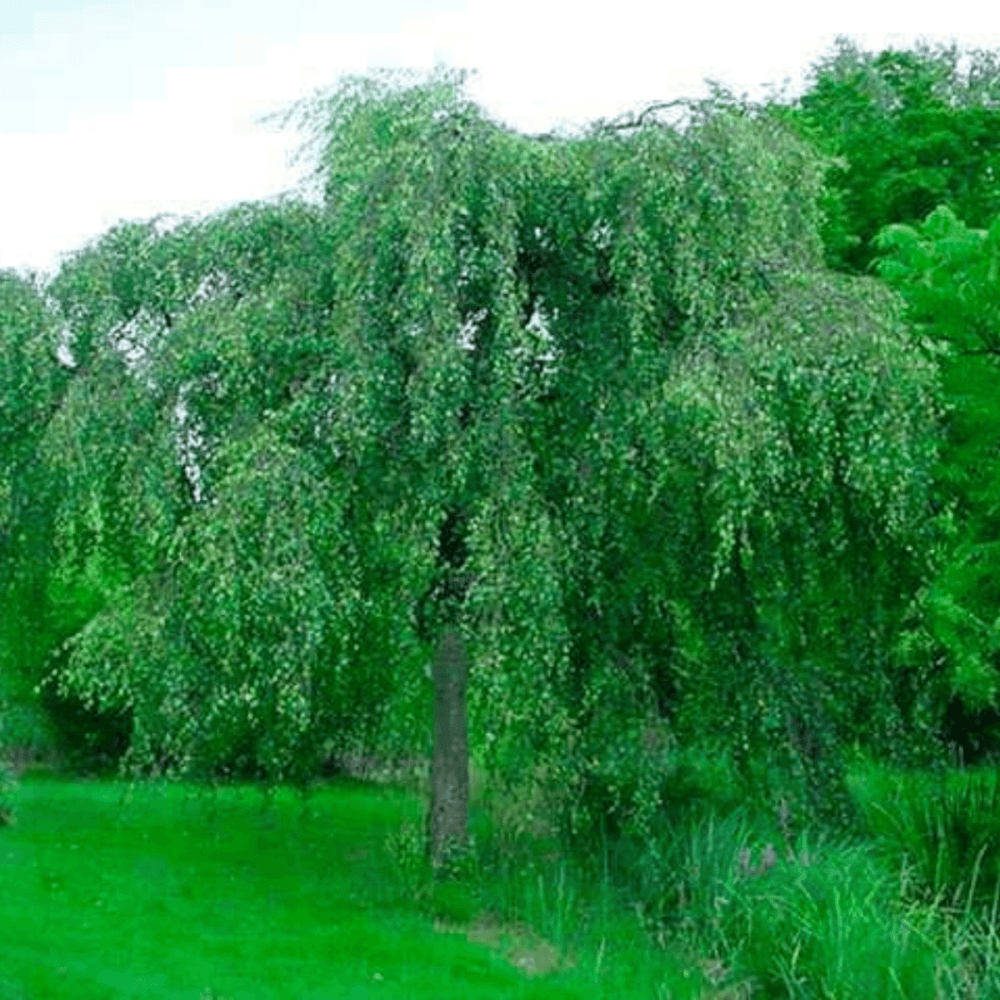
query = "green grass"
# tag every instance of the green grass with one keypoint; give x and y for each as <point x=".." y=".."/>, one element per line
<point x="185" y="894"/>
<point x="864" y="917"/>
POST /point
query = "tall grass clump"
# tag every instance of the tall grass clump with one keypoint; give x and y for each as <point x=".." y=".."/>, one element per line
<point x="944" y="829"/>
<point x="775" y="905"/>
<point x="820" y="917"/>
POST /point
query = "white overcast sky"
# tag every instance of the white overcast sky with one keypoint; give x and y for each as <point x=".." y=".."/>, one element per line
<point x="121" y="109"/>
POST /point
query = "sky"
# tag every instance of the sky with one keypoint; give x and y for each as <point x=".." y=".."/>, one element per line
<point x="124" y="110"/>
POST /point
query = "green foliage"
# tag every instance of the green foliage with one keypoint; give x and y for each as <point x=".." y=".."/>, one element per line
<point x="242" y="471"/>
<point x="796" y="919"/>
<point x="823" y="421"/>
<point x="29" y="377"/>
<point x="7" y="788"/>
<point x="31" y="384"/>
<point x="906" y="133"/>
<point x="947" y="274"/>
<point x="407" y="847"/>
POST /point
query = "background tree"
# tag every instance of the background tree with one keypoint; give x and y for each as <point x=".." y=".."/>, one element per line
<point x="906" y="132"/>
<point x="949" y="276"/>
<point x="913" y="135"/>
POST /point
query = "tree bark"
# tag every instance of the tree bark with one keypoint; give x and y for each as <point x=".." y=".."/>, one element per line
<point x="449" y="815"/>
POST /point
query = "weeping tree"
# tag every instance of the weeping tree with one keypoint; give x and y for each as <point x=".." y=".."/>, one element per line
<point x="31" y="384"/>
<point x="587" y="407"/>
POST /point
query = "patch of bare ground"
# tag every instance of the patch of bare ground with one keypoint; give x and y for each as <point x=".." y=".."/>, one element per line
<point x="519" y="945"/>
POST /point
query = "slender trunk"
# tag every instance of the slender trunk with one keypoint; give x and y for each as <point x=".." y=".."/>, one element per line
<point x="449" y="815"/>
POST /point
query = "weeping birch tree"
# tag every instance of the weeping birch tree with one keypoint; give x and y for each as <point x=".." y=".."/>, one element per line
<point x="31" y="381"/>
<point x="590" y="402"/>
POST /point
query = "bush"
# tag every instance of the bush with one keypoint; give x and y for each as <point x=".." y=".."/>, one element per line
<point x="85" y="739"/>
<point x="26" y="735"/>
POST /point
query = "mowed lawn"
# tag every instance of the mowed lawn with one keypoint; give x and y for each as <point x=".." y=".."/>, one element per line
<point x="183" y="893"/>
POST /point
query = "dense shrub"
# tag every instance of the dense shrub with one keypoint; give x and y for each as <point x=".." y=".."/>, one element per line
<point x="86" y="740"/>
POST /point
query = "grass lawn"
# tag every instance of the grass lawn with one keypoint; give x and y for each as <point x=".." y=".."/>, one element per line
<point x="171" y="890"/>
<point x="184" y="893"/>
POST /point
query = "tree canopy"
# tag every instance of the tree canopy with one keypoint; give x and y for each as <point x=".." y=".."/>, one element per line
<point x="593" y="400"/>
<point x="906" y="131"/>
<point x="948" y="274"/>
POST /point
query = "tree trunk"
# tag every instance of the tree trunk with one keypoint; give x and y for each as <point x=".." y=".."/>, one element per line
<point x="449" y="815"/>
